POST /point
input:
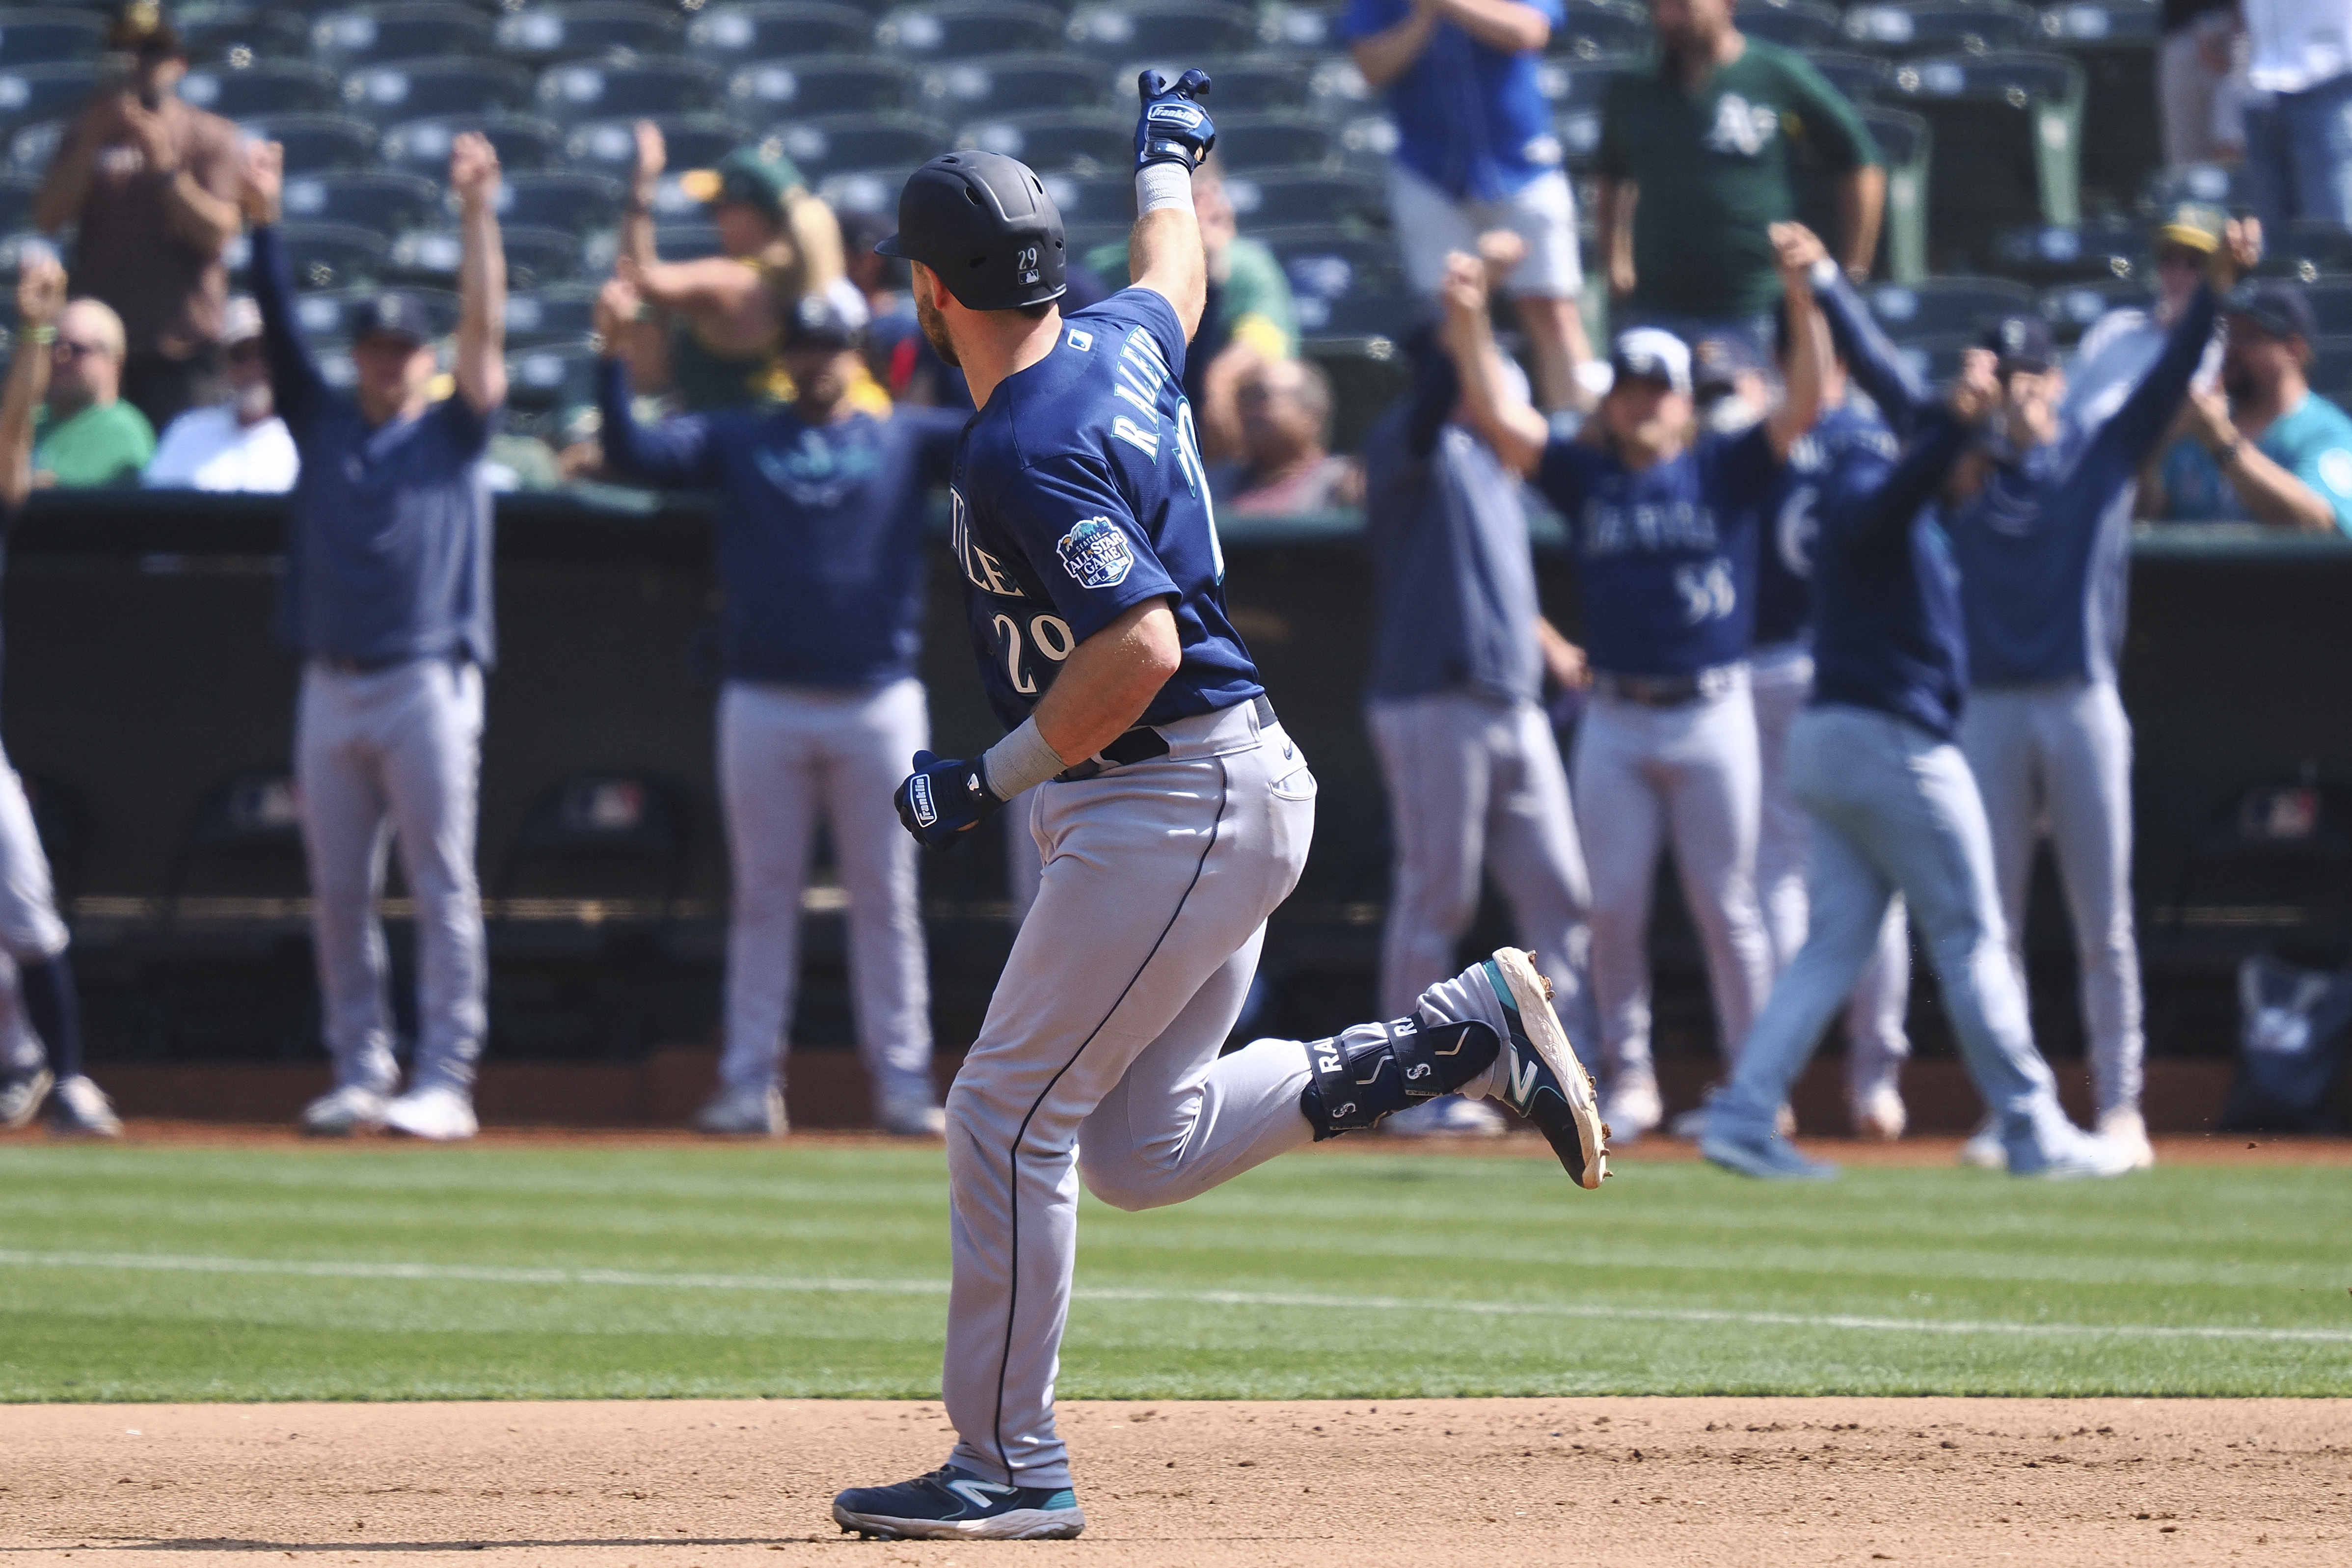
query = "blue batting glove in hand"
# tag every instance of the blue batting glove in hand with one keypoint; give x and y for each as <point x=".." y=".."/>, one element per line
<point x="943" y="799"/>
<point x="1174" y="128"/>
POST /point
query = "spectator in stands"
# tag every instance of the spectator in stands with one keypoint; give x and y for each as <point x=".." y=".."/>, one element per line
<point x="2271" y="450"/>
<point x="777" y="242"/>
<point x="1251" y="318"/>
<point x="240" y="445"/>
<point x="1697" y="160"/>
<point x="150" y="185"/>
<point x="1476" y="151"/>
<point x="2120" y="346"/>
<point x="2190" y="66"/>
<point x="1287" y="464"/>
<point x="2299" y="119"/>
<point x="86" y="434"/>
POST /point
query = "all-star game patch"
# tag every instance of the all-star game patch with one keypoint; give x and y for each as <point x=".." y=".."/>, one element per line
<point x="1096" y="553"/>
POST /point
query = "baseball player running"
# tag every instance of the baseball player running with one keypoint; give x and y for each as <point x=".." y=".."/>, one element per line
<point x="32" y="938"/>
<point x="2041" y="527"/>
<point x="387" y="598"/>
<point x="1664" y="524"/>
<point x="1460" y="649"/>
<point x="820" y="556"/>
<point x="1172" y="811"/>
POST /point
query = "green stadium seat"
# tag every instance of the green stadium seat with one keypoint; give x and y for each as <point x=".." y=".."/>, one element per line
<point x="2115" y="43"/>
<point x="260" y="86"/>
<point x="380" y="35"/>
<point x="830" y="142"/>
<point x="601" y="89"/>
<point x="876" y="190"/>
<point x="1013" y="84"/>
<point x="561" y="314"/>
<point x="1199" y="31"/>
<point x="579" y="200"/>
<point x="820" y="84"/>
<point x="1067" y="140"/>
<point x="1939" y="27"/>
<point x="41" y="35"/>
<point x="429" y="89"/>
<point x="1861" y="78"/>
<point x="2007" y="131"/>
<point x="772" y="29"/>
<point x="422" y="146"/>
<point x="318" y="144"/>
<point x="2094" y="252"/>
<point x="225" y="34"/>
<point x="1603" y="30"/>
<point x="1302" y="28"/>
<point x="382" y="199"/>
<point x="1368" y="373"/>
<point x="2222" y="185"/>
<point x="693" y="140"/>
<point x="1939" y="307"/>
<point x="1269" y="201"/>
<point x="1249" y="142"/>
<point x="543" y="34"/>
<point x="1805" y="25"/>
<point x="333" y="255"/>
<point x="954" y="29"/>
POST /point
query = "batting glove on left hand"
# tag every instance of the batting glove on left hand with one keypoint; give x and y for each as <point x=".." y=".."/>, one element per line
<point x="943" y="799"/>
<point x="1174" y="128"/>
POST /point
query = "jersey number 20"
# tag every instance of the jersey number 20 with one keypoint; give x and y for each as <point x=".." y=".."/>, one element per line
<point x="1049" y="635"/>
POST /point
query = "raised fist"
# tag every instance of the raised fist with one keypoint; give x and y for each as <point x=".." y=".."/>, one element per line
<point x="473" y="168"/>
<point x="1173" y="127"/>
<point x="263" y="181"/>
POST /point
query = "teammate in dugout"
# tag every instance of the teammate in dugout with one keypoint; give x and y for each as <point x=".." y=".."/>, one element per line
<point x="820" y="554"/>
<point x="42" y="1066"/>
<point x="386" y="597"/>
<point x="1664" y="521"/>
<point x="1173" y="811"/>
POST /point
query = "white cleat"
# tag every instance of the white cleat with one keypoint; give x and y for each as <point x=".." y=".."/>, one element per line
<point x="1631" y="1107"/>
<point x="1448" y="1116"/>
<point x="1984" y="1151"/>
<point x="913" y="1115"/>
<point x="744" y="1113"/>
<point x="1878" y="1113"/>
<point x="354" y="1108"/>
<point x="2125" y="1127"/>
<point x="2085" y="1155"/>
<point x="436" y="1113"/>
<point x="80" y="1109"/>
<point x="21" y="1098"/>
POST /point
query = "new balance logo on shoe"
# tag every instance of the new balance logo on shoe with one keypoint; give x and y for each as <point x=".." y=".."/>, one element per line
<point x="1524" y="1073"/>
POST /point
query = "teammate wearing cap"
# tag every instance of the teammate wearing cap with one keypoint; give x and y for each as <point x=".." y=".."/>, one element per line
<point x="1173" y="811"/>
<point x="2122" y="344"/>
<point x="820" y="556"/>
<point x="386" y="596"/>
<point x="240" y="445"/>
<point x="2040" y="519"/>
<point x="1663" y="523"/>
<point x="41" y="1066"/>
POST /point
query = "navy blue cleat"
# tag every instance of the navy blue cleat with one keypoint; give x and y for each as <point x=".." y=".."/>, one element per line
<point x="951" y="1504"/>
<point x="1537" y="1074"/>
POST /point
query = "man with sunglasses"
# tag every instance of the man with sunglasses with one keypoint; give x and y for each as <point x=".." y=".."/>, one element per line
<point x="240" y="445"/>
<point x="2121" y="345"/>
<point x="86" y="434"/>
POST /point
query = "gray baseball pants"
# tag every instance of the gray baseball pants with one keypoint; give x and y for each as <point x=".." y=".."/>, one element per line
<point x="1877" y="1040"/>
<point x="1895" y="810"/>
<point x="386" y="753"/>
<point x="2059" y="758"/>
<point x="1686" y="776"/>
<point x="784" y="753"/>
<point x="1101" y="1053"/>
<point x="1476" y="783"/>
<point x="29" y="926"/>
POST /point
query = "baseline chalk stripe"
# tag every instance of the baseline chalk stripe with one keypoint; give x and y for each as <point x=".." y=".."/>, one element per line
<point x="471" y="1274"/>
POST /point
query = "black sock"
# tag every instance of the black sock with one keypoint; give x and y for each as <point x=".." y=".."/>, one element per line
<point x="1373" y="1070"/>
<point x="54" y="1011"/>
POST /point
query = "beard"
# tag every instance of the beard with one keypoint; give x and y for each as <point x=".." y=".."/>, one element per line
<point x="2237" y="381"/>
<point x="935" y="331"/>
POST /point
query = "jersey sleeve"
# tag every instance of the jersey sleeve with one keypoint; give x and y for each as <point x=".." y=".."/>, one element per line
<point x="469" y="432"/>
<point x="1742" y="466"/>
<point x="1564" y="475"/>
<point x="1137" y="307"/>
<point x="1082" y="542"/>
<point x="2325" y="465"/>
<point x="1362" y="18"/>
<point x="1833" y="125"/>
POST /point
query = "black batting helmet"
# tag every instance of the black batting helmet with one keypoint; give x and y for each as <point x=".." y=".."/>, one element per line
<point x="984" y="223"/>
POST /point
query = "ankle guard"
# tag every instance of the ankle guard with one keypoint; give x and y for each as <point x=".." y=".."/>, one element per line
<point x="1376" y="1069"/>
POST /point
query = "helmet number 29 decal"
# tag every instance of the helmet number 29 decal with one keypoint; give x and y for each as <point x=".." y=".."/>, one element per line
<point x="1024" y="265"/>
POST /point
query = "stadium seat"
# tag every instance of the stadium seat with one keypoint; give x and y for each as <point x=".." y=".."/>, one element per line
<point x="1097" y="205"/>
<point x="1307" y="29"/>
<point x="1253" y="85"/>
<point x="2115" y="43"/>
<point x="2073" y="253"/>
<point x="381" y="199"/>
<point x="557" y="316"/>
<point x="1578" y="95"/>
<point x="422" y="88"/>
<point x="1012" y="84"/>
<point x="686" y="241"/>
<point x="1272" y="200"/>
<point x="594" y="833"/>
<point x="1368" y="373"/>
<point x="260" y="86"/>
<point x="16" y="194"/>
<point x="1073" y="140"/>
<point x="1200" y="31"/>
<point x="246" y="839"/>
<point x="2071" y="308"/>
<point x="422" y="146"/>
<point x="874" y="190"/>
<point x="1939" y="307"/>
<point x="819" y="84"/>
<point x="693" y="141"/>
<point x="585" y="27"/>
<point x="775" y="28"/>
<point x="1273" y="142"/>
<point x="327" y="315"/>
<point x="383" y="33"/>
<point x="954" y="29"/>
<point x="1943" y="27"/>
<point x="1603" y="30"/>
<point x="1367" y="145"/>
<point x="1804" y="25"/>
<point x="837" y="142"/>
<point x="1936" y="360"/>
<point x="2222" y="185"/>
<point x="31" y="147"/>
<point x="47" y="36"/>
<point x="30" y="93"/>
<point x="577" y="201"/>
<point x="587" y="89"/>
<point x="228" y="34"/>
<point x="1862" y="78"/>
<point x="1337" y="90"/>
<point x="333" y="255"/>
<point x="319" y="143"/>
<point x="1904" y="143"/>
<point x="1344" y="284"/>
<point x="534" y="255"/>
<point x="2007" y="132"/>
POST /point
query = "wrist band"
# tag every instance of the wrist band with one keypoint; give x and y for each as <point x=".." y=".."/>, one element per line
<point x="2229" y="452"/>
<point x="41" y="336"/>
<point x="1162" y="184"/>
<point x="1019" y="761"/>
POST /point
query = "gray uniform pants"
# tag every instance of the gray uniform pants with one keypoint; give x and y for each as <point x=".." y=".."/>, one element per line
<point x="1476" y="782"/>
<point x="1686" y="776"/>
<point x="29" y="926"/>
<point x="1895" y="810"/>
<point x="1100" y="1052"/>
<point x="394" y="752"/>
<point x="785" y="754"/>
<point x="1878" y="1042"/>
<point x="2060" y="757"/>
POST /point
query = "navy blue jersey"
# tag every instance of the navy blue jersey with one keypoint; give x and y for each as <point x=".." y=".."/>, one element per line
<point x="388" y="531"/>
<point x="819" y="532"/>
<point x="1079" y="494"/>
<point x="1666" y="555"/>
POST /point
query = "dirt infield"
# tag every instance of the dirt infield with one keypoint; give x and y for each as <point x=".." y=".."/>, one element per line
<point x="1433" y="1484"/>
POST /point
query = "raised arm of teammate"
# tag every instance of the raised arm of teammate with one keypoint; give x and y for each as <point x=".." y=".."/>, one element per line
<point x="481" y="274"/>
<point x="675" y="454"/>
<point x="296" y="388"/>
<point x="40" y="299"/>
<point x="1508" y="422"/>
<point x="1871" y="499"/>
<point x="2149" y="412"/>
<point x="1171" y="137"/>
<point x="1809" y="365"/>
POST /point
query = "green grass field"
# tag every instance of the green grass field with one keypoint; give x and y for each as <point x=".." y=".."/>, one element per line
<point x="408" y="1273"/>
